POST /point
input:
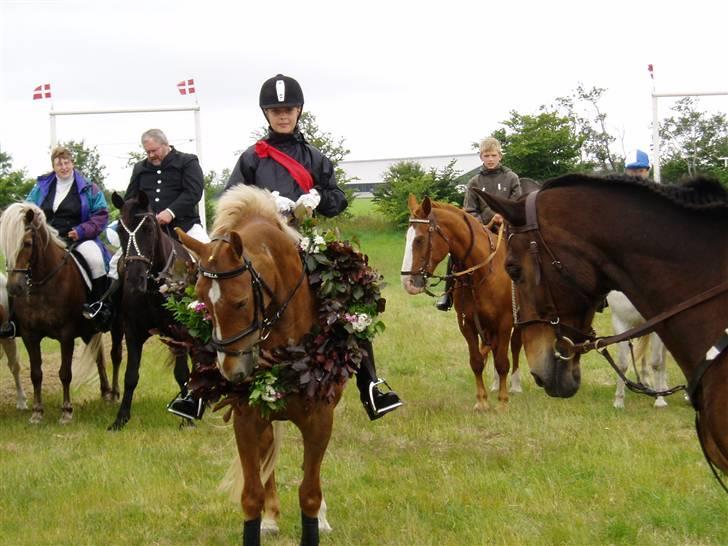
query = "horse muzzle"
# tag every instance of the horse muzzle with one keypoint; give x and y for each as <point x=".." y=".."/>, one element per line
<point x="17" y="286"/>
<point x="238" y="367"/>
<point x="413" y="284"/>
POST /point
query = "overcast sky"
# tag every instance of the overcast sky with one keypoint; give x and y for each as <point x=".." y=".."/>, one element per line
<point x="394" y="79"/>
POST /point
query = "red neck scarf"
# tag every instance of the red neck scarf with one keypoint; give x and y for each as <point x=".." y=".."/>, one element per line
<point x="299" y="173"/>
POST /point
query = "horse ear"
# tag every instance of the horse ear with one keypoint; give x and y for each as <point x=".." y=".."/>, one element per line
<point x="29" y="215"/>
<point x="426" y="206"/>
<point x="412" y="203"/>
<point x="190" y="243"/>
<point x="143" y="199"/>
<point x="117" y="200"/>
<point x="237" y="243"/>
<point x="514" y="212"/>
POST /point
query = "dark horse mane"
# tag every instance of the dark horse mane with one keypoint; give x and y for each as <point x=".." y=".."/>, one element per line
<point x="699" y="194"/>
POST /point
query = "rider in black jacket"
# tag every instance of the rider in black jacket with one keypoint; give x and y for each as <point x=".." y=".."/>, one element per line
<point x="281" y="99"/>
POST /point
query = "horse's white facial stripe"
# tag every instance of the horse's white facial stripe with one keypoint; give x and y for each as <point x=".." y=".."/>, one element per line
<point x="407" y="260"/>
<point x="214" y="295"/>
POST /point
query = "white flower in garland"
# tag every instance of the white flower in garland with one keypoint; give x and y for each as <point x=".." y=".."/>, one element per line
<point x="359" y="321"/>
<point x="318" y="244"/>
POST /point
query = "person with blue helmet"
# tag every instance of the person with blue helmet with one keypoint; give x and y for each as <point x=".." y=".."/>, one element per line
<point x="637" y="163"/>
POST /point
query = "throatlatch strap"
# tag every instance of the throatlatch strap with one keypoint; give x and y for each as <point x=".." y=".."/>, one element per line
<point x="299" y="173"/>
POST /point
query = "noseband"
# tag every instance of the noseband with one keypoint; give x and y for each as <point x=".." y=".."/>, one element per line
<point x="263" y="319"/>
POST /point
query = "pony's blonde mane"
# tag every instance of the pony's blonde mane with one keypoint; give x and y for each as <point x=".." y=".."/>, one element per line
<point x="242" y="201"/>
<point x="12" y="230"/>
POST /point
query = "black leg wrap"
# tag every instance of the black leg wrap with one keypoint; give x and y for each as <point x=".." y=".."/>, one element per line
<point x="251" y="532"/>
<point x="309" y="531"/>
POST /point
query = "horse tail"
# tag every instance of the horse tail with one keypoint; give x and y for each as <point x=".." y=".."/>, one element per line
<point x="233" y="481"/>
<point x="85" y="370"/>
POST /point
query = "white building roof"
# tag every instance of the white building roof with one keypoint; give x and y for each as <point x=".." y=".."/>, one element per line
<point x="371" y="171"/>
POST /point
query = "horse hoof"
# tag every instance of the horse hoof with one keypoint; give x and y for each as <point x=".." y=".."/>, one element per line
<point x="269" y="527"/>
<point x="107" y="396"/>
<point x="660" y="402"/>
<point x="117" y="425"/>
<point x="36" y="418"/>
<point x="481" y="407"/>
<point x="21" y="405"/>
<point x="66" y="418"/>
<point x="618" y="404"/>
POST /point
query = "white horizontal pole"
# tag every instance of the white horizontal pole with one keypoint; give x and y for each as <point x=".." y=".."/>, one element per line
<point x="126" y="110"/>
<point x="692" y="94"/>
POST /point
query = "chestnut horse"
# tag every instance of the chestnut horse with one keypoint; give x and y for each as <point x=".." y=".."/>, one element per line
<point x="665" y="247"/>
<point x="48" y="291"/>
<point x="253" y="283"/>
<point x="9" y="347"/>
<point x="482" y="293"/>
<point x="148" y="254"/>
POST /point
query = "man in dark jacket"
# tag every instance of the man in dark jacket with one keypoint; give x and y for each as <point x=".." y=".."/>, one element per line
<point x="297" y="174"/>
<point x="173" y="181"/>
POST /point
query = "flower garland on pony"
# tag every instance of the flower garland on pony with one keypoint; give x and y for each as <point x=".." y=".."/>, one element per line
<point x="348" y="291"/>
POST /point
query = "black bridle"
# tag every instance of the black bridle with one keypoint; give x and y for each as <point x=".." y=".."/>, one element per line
<point x="263" y="318"/>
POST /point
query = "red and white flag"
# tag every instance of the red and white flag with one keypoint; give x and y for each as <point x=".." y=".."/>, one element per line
<point x="651" y="71"/>
<point x="43" y="91"/>
<point x="186" y="87"/>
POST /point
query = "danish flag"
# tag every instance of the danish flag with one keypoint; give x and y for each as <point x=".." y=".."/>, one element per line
<point x="651" y="70"/>
<point x="42" y="92"/>
<point x="186" y="87"/>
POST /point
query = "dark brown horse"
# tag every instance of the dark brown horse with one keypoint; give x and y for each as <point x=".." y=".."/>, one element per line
<point x="48" y="292"/>
<point x="149" y="254"/>
<point x="253" y="284"/>
<point x="482" y="292"/>
<point x="665" y="247"/>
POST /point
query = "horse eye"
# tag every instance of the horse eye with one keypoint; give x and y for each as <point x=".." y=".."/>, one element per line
<point x="240" y="303"/>
<point x="514" y="272"/>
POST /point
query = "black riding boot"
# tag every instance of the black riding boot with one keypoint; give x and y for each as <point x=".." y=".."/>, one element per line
<point x="376" y="402"/>
<point x="445" y="301"/>
<point x="10" y="328"/>
<point x="99" y="309"/>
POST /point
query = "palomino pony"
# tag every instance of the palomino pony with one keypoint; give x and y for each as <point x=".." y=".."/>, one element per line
<point x="665" y="247"/>
<point x="253" y="283"/>
<point x="482" y="292"/>
<point x="48" y="291"/>
<point x="149" y="255"/>
<point x="9" y="347"/>
<point x="648" y="351"/>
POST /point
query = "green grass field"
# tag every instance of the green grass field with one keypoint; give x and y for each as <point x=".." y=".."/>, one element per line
<point x="544" y="471"/>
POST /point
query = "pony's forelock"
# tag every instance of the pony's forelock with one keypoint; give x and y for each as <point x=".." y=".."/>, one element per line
<point x="241" y="201"/>
<point x="12" y="230"/>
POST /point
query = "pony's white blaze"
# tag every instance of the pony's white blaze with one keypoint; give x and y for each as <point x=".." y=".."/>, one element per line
<point x="214" y="295"/>
<point x="407" y="260"/>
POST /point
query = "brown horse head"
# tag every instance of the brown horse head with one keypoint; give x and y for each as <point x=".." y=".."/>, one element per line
<point x="24" y="238"/>
<point x="251" y="281"/>
<point x="436" y="230"/>
<point x="552" y="312"/>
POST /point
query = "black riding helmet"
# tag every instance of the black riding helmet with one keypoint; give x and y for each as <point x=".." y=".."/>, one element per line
<point x="280" y="90"/>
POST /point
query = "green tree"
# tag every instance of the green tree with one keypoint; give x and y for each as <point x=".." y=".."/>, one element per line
<point x="214" y="186"/>
<point x="692" y="141"/>
<point x="14" y="184"/>
<point x="541" y="145"/>
<point x="407" y="177"/>
<point x="588" y="121"/>
<point x="86" y="159"/>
